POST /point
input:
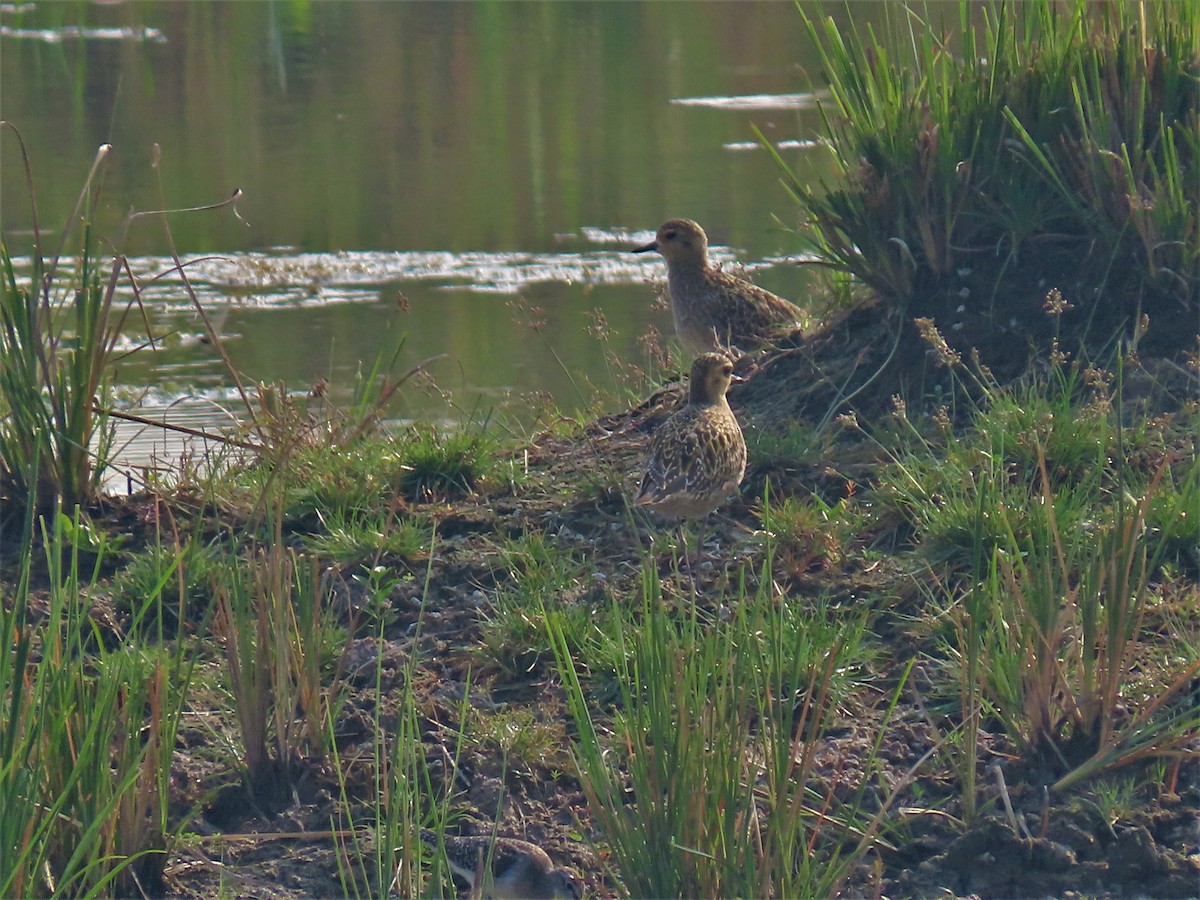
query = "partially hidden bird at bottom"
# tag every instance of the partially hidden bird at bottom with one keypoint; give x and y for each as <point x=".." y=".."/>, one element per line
<point x="512" y="869"/>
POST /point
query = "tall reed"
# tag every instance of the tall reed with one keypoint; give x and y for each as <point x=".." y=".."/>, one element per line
<point x="58" y="332"/>
<point x="87" y="735"/>
<point x="279" y="642"/>
<point x="406" y="793"/>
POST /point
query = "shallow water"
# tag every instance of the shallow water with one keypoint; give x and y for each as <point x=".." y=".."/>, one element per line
<point x="449" y="172"/>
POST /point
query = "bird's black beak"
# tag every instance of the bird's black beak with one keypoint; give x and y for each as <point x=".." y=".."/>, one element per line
<point x="653" y="245"/>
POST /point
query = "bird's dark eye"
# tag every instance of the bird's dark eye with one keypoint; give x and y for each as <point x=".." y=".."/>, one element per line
<point x="669" y="236"/>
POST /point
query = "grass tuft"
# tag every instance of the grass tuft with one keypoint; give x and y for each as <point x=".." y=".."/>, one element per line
<point x="441" y="465"/>
<point x="1016" y="143"/>
<point x="1051" y="528"/>
<point x="705" y="783"/>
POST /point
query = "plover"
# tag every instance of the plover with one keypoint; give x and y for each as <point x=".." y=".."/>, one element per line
<point x="513" y="869"/>
<point x="698" y="456"/>
<point x="714" y="310"/>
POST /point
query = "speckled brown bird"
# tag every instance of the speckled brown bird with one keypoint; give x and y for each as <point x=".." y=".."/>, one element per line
<point x="519" y="870"/>
<point x="714" y="310"/>
<point x="697" y="456"/>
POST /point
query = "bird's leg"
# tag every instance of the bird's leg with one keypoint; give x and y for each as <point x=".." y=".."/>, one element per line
<point x="687" y="560"/>
<point x="478" y="882"/>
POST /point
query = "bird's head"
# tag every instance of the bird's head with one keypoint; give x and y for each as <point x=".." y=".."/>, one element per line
<point x="566" y="884"/>
<point x="710" y="378"/>
<point x="679" y="241"/>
